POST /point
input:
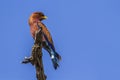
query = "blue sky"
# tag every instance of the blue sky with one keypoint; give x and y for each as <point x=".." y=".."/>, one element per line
<point x="85" y="32"/>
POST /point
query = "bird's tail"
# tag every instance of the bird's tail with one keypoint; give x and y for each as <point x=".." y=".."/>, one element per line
<point x="58" y="56"/>
<point x="55" y="57"/>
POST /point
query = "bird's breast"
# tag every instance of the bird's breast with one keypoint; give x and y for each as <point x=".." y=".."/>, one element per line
<point x="33" y="29"/>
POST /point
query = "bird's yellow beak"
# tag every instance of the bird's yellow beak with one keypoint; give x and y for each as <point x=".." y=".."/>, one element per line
<point x="44" y="17"/>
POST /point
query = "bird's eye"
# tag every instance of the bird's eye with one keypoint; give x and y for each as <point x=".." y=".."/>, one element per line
<point x="42" y="15"/>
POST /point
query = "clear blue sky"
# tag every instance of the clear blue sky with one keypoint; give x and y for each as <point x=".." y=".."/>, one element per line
<point x="86" y="33"/>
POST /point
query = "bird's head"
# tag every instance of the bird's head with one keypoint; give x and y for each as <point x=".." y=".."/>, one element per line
<point x="38" y="16"/>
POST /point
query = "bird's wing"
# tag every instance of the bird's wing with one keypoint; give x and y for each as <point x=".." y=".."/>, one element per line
<point x="47" y="33"/>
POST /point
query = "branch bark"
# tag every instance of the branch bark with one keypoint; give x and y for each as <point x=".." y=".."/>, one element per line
<point x="36" y="56"/>
<point x="37" y="61"/>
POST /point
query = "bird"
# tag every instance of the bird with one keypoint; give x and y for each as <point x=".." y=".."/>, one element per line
<point x="35" y="23"/>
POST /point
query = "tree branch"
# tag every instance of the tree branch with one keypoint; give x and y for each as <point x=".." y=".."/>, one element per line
<point x="36" y="56"/>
